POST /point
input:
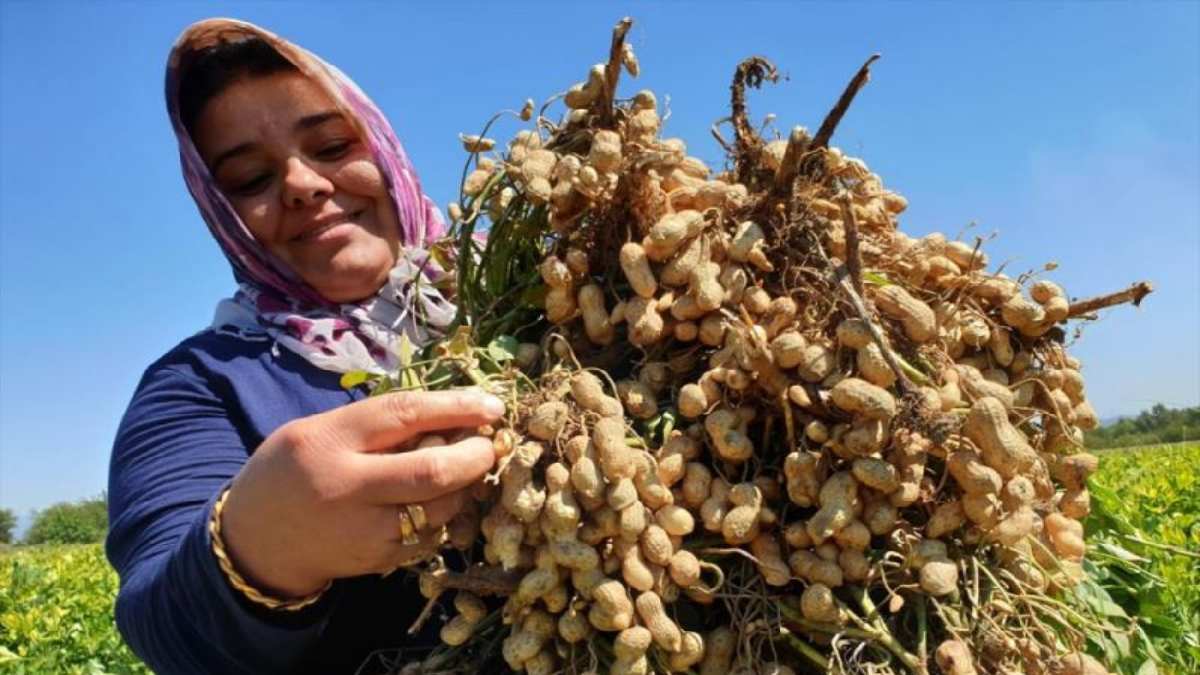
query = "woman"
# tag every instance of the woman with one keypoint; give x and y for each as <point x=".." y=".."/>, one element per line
<point x="256" y="506"/>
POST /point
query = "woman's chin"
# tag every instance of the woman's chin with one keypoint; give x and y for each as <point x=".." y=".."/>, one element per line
<point x="350" y="283"/>
<point x="353" y="272"/>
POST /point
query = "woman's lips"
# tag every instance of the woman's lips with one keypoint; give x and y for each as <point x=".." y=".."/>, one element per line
<point x="331" y="230"/>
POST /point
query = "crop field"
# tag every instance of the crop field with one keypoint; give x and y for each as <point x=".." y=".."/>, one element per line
<point x="1144" y="560"/>
<point x="1144" y="551"/>
<point x="56" y="612"/>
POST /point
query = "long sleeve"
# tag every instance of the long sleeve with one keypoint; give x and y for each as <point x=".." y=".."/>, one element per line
<point x="177" y="447"/>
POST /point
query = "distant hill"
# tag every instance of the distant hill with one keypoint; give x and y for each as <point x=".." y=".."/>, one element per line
<point x="1107" y="421"/>
<point x="1159" y="424"/>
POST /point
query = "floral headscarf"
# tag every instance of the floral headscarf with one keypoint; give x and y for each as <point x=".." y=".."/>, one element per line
<point x="270" y="296"/>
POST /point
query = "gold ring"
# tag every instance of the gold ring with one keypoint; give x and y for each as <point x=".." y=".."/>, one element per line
<point x="408" y="533"/>
<point x="417" y="513"/>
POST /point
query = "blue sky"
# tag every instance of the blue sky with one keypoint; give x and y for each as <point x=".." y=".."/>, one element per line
<point x="1071" y="130"/>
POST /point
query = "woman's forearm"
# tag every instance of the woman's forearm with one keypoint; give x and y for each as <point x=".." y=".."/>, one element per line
<point x="175" y="451"/>
<point x="179" y="614"/>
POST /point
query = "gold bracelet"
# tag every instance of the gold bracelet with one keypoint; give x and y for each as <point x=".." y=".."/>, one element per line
<point x="236" y="580"/>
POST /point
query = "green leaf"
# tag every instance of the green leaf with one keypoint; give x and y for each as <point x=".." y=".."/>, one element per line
<point x="406" y="351"/>
<point x="651" y="425"/>
<point x="382" y="386"/>
<point x="1121" y="642"/>
<point x="668" y="425"/>
<point x="1122" y="553"/>
<point x="354" y="378"/>
<point x="503" y="348"/>
<point x="408" y="377"/>
<point x="535" y="296"/>
<point x="877" y="278"/>
<point x="460" y="344"/>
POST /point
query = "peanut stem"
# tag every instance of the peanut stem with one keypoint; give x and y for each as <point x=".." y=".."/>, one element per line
<point x="831" y="121"/>
<point x="853" y="257"/>
<point x="912" y="372"/>
<point x="877" y="632"/>
<point x="885" y="637"/>
<point x="794" y="617"/>
<point x="789" y="166"/>
<point x="482" y="581"/>
<point x="840" y="277"/>
<point x="806" y="650"/>
<point x="1164" y="547"/>
<point x="426" y="612"/>
<point x="752" y="72"/>
<point x="922" y="630"/>
<point x="840" y="274"/>
<point x="612" y="71"/>
<point x="1134" y="294"/>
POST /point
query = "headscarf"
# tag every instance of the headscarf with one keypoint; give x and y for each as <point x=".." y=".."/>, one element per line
<point x="271" y="297"/>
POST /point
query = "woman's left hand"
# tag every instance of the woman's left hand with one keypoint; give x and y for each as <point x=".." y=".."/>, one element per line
<point x="322" y="497"/>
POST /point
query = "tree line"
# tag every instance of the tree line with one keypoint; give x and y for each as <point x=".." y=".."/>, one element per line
<point x="80" y="522"/>
<point x="1159" y="424"/>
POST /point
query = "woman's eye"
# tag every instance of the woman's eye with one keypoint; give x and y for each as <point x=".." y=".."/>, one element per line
<point x="252" y="186"/>
<point x="334" y="150"/>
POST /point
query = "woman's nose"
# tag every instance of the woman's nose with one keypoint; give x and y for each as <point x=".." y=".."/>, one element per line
<point x="302" y="186"/>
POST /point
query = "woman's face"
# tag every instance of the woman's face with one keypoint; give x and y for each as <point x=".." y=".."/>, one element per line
<point x="303" y="182"/>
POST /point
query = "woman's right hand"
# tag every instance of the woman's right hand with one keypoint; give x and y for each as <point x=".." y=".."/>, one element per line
<point x="320" y="498"/>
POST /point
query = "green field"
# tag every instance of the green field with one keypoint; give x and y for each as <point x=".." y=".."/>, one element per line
<point x="1144" y="538"/>
<point x="1144" y="551"/>
<point x="56" y="612"/>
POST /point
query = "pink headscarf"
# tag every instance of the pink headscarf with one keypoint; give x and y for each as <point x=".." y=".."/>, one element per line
<point x="271" y="297"/>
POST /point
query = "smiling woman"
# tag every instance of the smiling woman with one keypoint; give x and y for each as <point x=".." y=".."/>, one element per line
<point x="257" y="509"/>
<point x="302" y="181"/>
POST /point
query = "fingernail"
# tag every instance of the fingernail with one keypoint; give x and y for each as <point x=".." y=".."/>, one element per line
<point x="493" y="405"/>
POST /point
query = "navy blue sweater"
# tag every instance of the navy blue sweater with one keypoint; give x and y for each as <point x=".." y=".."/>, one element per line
<point x="195" y="418"/>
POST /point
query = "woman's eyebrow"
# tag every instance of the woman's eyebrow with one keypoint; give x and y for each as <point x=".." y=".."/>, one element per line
<point x="229" y="154"/>
<point x="310" y="121"/>
<point x="304" y="123"/>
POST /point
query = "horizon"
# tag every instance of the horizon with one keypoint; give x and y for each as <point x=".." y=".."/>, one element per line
<point x="1073" y="130"/>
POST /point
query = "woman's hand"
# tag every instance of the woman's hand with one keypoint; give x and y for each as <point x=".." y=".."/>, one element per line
<point x="319" y="499"/>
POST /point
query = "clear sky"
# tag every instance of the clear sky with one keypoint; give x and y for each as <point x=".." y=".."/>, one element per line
<point x="1071" y="130"/>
